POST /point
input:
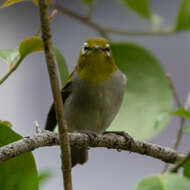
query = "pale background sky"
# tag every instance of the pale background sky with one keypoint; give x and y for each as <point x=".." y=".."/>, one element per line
<point x="25" y="96"/>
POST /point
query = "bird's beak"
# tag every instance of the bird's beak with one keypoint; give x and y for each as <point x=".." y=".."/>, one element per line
<point x="96" y="48"/>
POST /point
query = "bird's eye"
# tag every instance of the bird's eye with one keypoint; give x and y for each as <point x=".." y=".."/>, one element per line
<point x="107" y="49"/>
<point x="85" y="48"/>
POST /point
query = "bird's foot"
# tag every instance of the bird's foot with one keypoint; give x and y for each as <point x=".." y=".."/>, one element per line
<point x="121" y="133"/>
<point x="90" y="134"/>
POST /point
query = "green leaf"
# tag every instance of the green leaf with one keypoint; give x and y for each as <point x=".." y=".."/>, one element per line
<point x="63" y="70"/>
<point x="182" y="113"/>
<point x="164" y="182"/>
<point x="10" y="2"/>
<point x="18" y="173"/>
<point x="30" y="45"/>
<point x="148" y="95"/>
<point x="88" y="2"/>
<point x="141" y="7"/>
<point x="183" y="18"/>
<point x="5" y="123"/>
<point x="186" y="129"/>
<point x="35" y="44"/>
<point x="186" y="171"/>
<point x="9" y="55"/>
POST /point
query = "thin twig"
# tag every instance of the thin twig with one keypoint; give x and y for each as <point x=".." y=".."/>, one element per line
<point x="182" y="120"/>
<point x="63" y="134"/>
<point x="179" y="134"/>
<point x="180" y="163"/>
<point x="163" y="32"/>
<point x="174" y="91"/>
<point x="105" y="30"/>
<point x="81" y="140"/>
<point x="51" y="16"/>
<point x="177" y="141"/>
<point x="82" y="19"/>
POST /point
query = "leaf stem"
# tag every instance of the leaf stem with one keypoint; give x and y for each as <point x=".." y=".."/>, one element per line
<point x="11" y="70"/>
<point x="63" y="131"/>
<point x="14" y="67"/>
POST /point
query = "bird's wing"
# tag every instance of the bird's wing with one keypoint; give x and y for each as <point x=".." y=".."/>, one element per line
<point x="51" y="117"/>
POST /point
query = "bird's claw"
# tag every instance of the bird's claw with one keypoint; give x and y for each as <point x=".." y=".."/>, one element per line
<point x="120" y="133"/>
<point x="90" y="134"/>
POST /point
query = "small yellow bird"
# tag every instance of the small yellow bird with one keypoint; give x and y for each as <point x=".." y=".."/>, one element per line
<point x="92" y="95"/>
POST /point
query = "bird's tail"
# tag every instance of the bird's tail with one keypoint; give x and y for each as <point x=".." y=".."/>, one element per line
<point x="79" y="156"/>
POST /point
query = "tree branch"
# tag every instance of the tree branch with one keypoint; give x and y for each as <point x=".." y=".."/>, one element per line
<point x="163" y="32"/>
<point x="51" y="16"/>
<point x="82" y="19"/>
<point x="111" y="141"/>
<point x="182" y="120"/>
<point x="105" y="30"/>
<point x="180" y="163"/>
<point x="58" y="104"/>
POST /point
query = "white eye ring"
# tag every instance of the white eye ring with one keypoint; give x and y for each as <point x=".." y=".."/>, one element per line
<point x="107" y="46"/>
<point x="84" y="48"/>
<point x="108" y="50"/>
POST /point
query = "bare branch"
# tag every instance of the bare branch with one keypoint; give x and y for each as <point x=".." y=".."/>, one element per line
<point x="174" y="91"/>
<point x="111" y="141"/>
<point x="180" y="163"/>
<point x="103" y="31"/>
<point x="82" y="19"/>
<point x="162" y="32"/>
<point x="182" y="120"/>
<point x="58" y="103"/>
<point x="51" y="16"/>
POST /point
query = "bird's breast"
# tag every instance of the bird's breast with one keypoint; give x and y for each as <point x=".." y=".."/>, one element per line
<point x="93" y="107"/>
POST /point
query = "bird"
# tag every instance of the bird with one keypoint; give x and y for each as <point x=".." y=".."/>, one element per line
<point x="92" y="95"/>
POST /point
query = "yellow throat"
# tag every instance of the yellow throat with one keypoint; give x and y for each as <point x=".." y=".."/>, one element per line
<point x="95" y="63"/>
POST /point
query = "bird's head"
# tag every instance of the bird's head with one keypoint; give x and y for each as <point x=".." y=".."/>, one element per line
<point x="95" y="63"/>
